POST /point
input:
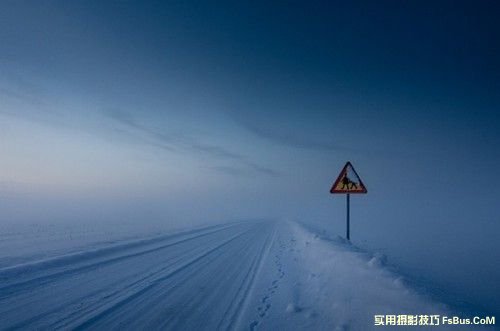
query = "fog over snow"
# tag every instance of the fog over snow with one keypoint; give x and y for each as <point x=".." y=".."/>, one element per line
<point x="141" y="122"/>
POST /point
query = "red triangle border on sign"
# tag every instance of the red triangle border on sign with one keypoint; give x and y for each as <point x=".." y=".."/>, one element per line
<point x="339" y="178"/>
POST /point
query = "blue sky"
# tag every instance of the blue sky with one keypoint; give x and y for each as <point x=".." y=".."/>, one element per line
<point x="186" y="111"/>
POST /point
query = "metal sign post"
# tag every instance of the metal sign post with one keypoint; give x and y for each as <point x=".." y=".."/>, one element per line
<point x="347" y="224"/>
<point x="348" y="182"/>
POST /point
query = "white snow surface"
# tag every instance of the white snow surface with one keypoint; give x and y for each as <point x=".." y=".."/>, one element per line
<point x="236" y="276"/>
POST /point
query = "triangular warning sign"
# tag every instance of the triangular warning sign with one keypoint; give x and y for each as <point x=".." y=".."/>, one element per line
<point x="348" y="181"/>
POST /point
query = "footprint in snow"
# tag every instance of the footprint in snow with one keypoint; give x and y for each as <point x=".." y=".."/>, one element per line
<point x="253" y="325"/>
<point x="292" y="308"/>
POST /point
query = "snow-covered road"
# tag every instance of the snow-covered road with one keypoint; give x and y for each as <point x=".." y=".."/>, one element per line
<point x="243" y="276"/>
<point x="194" y="280"/>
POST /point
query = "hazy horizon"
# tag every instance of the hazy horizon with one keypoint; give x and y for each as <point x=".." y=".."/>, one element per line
<point x="186" y="113"/>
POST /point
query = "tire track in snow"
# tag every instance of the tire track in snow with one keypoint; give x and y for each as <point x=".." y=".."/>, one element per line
<point x="141" y="291"/>
<point x="210" y="294"/>
<point x="265" y="302"/>
<point x="247" y="288"/>
<point x="96" y="297"/>
<point x="16" y="287"/>
<point x="233" y="269"/>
